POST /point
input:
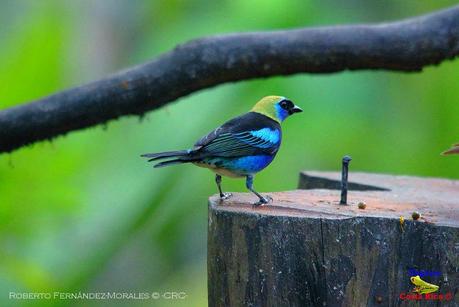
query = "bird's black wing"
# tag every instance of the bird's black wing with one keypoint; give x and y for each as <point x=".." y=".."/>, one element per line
<point x="248" y="134"/>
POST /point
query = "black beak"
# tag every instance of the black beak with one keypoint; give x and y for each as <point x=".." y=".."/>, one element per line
<point x="295" y="109"/>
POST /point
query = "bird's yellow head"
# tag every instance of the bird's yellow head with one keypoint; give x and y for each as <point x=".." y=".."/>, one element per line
<point x="276" y="107"/>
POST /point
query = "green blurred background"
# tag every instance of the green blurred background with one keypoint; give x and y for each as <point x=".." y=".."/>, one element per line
<point x="85" y="213"/>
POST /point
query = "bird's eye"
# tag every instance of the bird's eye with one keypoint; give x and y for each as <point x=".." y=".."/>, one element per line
<point x="286" y="104"/>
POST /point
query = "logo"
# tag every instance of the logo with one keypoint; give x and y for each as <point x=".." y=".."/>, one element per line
<point x="421" y="286"/>
<point x="425" y="291"/>
<point x="424" y="273"/>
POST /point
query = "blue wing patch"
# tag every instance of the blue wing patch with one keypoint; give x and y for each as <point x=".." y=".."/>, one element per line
<point x="263" y="138"/>
<point x="244" y="143"/>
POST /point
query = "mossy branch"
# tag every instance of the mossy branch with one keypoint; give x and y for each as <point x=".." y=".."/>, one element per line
<point x="407" y="45"/>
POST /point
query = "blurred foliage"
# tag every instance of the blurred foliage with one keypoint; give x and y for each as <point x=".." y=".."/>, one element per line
<point x="85" y="213"/>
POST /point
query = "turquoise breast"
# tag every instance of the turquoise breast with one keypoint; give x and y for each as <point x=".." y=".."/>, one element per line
<point x="242" y="165"/>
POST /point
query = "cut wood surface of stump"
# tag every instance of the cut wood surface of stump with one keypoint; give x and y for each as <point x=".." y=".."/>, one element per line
<point x="304" y="249"/>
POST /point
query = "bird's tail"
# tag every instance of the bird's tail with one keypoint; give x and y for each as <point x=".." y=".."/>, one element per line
<point x="182" y="156"/>
<point x="453" y="150"/>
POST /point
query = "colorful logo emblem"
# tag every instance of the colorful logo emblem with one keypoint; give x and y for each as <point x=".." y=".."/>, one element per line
<point x="421" y="286"/>
<point x="424" y="290"/>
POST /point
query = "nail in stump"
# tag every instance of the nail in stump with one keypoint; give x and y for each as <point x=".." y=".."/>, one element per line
<point x="344" y="172"/>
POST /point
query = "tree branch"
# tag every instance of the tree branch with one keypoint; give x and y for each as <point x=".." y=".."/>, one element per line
<point x="407" y="45"/>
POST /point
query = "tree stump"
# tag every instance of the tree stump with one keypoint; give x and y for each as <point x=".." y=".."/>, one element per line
<point x="304" y="249"/>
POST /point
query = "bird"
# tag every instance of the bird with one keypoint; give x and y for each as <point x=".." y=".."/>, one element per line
<point x="241" y="147"/>
<point x="453" y="150"/>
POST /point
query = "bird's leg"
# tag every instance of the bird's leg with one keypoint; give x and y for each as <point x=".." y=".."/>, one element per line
<point x="218" y="180"/>
<point x="249" y="185"/>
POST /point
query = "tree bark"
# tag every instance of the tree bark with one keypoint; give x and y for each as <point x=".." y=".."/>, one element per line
<point x="304" y="249"/>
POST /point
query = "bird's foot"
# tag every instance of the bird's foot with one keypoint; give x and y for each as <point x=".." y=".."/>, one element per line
<point x="262" y="201"/>
<point x="225" y="196"/>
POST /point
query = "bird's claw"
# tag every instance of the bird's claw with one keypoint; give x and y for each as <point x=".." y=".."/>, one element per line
<point x="263" y="201"/>
<point x="225" y="196"/>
